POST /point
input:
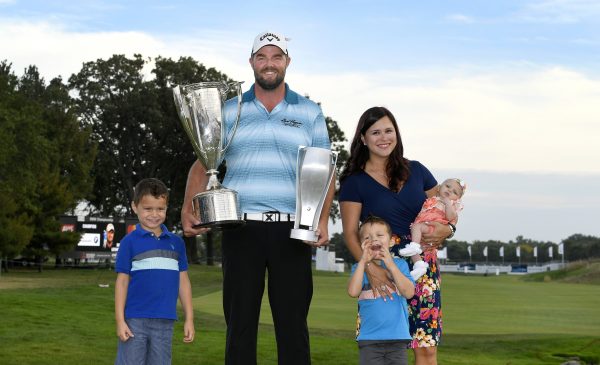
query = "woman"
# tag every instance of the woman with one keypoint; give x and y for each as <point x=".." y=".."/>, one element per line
<point x="378" y="180"/>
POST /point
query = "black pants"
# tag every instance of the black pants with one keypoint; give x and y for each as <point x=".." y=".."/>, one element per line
<point x="247" y="252"/>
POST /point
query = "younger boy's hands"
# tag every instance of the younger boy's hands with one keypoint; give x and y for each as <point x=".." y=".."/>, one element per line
<point x="188" y="331"/>
<point x="366" y="251"/>
<point x="123" y="331"/>
<point x="387" y="257"/>
<point x="376" y="275"/>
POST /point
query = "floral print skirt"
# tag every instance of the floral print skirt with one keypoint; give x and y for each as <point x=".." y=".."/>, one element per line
<point x="425" y="308"/>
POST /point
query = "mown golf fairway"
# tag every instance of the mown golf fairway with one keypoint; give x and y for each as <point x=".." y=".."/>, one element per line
<point x="64" y="317"/>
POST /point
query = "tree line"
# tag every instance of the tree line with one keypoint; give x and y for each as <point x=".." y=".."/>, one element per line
<point x="521" y="250"/>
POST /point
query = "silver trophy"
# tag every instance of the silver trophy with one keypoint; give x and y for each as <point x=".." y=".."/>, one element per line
<point x="315" y="168"/>
<point x="200" y="108"/>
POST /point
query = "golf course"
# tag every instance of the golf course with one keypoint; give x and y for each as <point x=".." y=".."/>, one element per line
<point x="66" y="316"/>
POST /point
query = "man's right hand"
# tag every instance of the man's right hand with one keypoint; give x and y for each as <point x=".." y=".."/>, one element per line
<point x="196" y="182"/>
<point x="380" y="282"/>
<point x="188" y="220"/>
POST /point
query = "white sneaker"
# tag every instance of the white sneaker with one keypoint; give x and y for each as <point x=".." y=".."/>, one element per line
<point x="419" y="269"/>
<point x="411" y="249"/>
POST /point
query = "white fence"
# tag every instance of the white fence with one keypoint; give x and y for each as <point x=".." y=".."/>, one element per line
<point x="326" y="261"/>
<point x="485" y="269"/>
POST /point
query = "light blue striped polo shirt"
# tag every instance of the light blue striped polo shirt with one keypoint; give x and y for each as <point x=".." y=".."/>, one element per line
<point x="262" y="158"/>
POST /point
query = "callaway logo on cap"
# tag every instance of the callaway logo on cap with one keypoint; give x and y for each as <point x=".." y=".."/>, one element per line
<point x="270" y="39"/>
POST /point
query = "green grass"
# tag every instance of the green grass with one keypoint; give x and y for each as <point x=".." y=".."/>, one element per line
<point x="581" y="272"/>
<point x="64" y="317"/>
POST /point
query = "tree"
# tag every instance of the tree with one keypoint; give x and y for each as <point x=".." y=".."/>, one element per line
<point x="48" y="165"/>
<point x="17" y="180"/>
<point x="341" y="250"/>
<point x="113" y="101"/>
<point x="581" y="247"/>
<point x="457" y="251"/>
<point x="68" y="159"/>
<point x="493" y="251"/>
<point x="338" y="141"/>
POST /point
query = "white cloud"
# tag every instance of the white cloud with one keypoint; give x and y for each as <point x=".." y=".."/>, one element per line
<point x="59" y="53"/>
<point x="560" y="11"/>
<point x="522" y="119"/>
<point x="460" y="18"/>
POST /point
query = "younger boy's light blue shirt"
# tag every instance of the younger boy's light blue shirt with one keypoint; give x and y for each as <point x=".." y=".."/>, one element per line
<point x="383" y="320"/>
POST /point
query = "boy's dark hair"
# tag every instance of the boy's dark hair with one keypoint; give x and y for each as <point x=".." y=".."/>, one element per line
<point x="150" y="186"/>
<point x="372" y="219"/>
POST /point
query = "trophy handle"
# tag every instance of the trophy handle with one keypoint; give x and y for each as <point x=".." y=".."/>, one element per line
<point x="238" y="86"/>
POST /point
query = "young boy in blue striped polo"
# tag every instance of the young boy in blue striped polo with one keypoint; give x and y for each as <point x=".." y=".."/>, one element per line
<point x="152" y="273"/>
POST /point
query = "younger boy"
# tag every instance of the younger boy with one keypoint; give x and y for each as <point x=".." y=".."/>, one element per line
<point x="382" y="328"/>
<point x="151" y="271"/>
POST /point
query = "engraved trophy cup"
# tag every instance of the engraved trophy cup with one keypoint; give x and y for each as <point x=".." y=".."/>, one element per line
<point x="315" y="168"/>
<point x="201" y="110"/>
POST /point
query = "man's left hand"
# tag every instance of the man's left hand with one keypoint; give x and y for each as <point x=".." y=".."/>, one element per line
<point x="437" y="237"/>
<point x="323" y="238"/>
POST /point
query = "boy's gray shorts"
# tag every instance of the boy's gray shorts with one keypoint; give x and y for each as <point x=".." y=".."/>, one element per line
<point x="383" y="352"/>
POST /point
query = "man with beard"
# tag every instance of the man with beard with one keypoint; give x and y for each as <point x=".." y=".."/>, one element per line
<point x="261" y="167"/>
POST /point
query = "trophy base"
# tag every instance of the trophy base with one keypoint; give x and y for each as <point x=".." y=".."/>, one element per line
<point x="221" y="224"/>
<point x="304" y="235"/>
<point x="217" y="208"/>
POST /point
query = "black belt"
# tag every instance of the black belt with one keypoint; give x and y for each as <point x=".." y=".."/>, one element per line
<point x="269" y="217"/>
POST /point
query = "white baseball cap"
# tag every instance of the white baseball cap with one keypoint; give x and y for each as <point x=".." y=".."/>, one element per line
<point x="110" y="227"/>
<point x="267" y="38"/>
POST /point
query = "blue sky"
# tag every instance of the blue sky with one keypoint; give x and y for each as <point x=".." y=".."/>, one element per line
<point x="501" y="93"/>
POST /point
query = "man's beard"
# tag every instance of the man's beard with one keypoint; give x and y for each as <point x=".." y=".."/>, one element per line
<point x="269" y="85"/>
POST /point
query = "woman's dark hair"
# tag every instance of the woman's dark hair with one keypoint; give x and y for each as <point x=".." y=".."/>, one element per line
<point x="397" y="166"/>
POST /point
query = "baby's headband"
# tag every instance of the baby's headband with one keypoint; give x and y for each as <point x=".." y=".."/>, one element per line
<point x="462" y="184"/>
